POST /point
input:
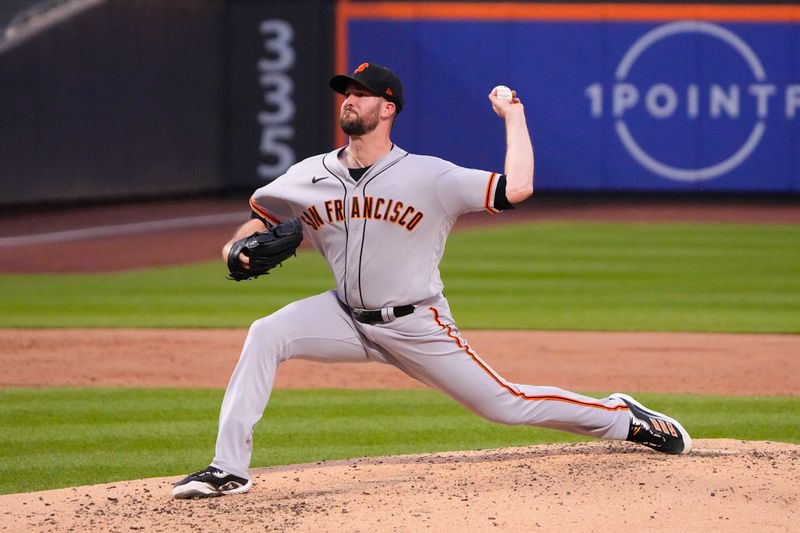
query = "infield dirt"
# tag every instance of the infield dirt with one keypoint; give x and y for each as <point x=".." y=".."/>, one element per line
<point x="724" y="485"/>
<point x="697" y="363"/>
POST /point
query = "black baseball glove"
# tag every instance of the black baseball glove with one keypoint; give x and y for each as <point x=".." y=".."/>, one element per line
<point x="266" y="250"/>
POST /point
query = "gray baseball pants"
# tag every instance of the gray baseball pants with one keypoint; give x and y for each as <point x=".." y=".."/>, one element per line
<point x="426" y="345"/>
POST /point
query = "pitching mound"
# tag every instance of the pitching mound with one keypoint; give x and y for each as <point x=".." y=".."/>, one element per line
<point x="724" y="485"/>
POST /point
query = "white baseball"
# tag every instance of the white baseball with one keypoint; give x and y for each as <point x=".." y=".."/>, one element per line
<point x="503" y="92"/>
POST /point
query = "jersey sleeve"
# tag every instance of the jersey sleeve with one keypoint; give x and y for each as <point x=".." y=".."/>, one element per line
<point x="463" y="190"/>
<point x="268" y="203"/>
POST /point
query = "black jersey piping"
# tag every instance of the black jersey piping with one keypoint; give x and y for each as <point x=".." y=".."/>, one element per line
<point x="364" y="233"/>
<point x="346" y="232"/>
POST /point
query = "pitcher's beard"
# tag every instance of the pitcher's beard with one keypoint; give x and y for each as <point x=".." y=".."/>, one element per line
<point x="357" y="126"/>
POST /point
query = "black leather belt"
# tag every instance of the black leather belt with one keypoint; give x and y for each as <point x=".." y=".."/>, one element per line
<point x="380" y="316"/>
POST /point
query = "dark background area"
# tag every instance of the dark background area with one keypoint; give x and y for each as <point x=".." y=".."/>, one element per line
<point x="144" y="98"/>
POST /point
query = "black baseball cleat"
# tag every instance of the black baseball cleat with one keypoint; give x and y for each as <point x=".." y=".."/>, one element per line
<point x="655" y="430"/>
<point x="210" y="482"/>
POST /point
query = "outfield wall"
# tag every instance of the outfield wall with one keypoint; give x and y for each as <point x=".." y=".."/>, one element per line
<point x="618" y="97"/>
<point x="121" y="100"/>
<point x="147" y="98"/>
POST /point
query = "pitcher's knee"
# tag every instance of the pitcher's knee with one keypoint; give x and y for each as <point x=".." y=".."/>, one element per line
<point x="260" y="328"/>
<point x="265" y="339"/>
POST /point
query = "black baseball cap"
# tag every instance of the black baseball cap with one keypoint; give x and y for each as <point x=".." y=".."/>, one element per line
<point x="376" y="78"/>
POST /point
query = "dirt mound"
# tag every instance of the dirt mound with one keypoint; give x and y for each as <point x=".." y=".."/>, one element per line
<point x="724" y="485"/>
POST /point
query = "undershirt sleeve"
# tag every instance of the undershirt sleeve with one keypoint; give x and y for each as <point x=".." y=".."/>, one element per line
<point x="501" y="202"/>
<point x="253" y="214"/>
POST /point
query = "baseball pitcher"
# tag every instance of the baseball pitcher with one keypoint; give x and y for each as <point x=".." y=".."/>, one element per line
<point x="380" y="217"/>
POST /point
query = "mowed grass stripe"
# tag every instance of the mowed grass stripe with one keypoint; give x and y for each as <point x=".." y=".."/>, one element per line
<point x="673" y="277"/>
<point x="66" y="437"/>
<point x="546" y="275"/>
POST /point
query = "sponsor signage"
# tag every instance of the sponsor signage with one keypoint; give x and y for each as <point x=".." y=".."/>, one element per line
<point x="673" y="99"/>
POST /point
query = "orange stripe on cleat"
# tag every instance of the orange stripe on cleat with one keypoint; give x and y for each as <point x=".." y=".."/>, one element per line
<point x="660" y="425"/>
<point x="462" y="344"/>
<point x="672" y="429"/>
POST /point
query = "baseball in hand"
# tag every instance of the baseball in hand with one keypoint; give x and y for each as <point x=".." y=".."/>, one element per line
<point x="503" y="92"/>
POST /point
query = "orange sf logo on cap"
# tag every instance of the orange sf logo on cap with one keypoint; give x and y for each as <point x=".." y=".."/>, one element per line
<point x="362" y="67"/>
<point x="389" y="92"/>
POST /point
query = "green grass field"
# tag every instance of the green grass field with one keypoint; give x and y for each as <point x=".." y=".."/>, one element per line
<point x="550" y="276"/>
<point x="66" y="437"/>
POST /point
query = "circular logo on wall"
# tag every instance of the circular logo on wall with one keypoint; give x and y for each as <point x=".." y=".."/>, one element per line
<point x="690" y="90"/>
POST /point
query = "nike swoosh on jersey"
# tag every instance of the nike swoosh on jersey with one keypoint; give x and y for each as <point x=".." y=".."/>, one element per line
<point x="316" y="179"/>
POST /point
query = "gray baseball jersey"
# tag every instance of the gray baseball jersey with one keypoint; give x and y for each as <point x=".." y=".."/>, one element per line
<point x="383" y="236"/>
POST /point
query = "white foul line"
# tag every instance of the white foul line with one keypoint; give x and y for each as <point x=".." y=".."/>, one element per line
<point x="122" y="229"/>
